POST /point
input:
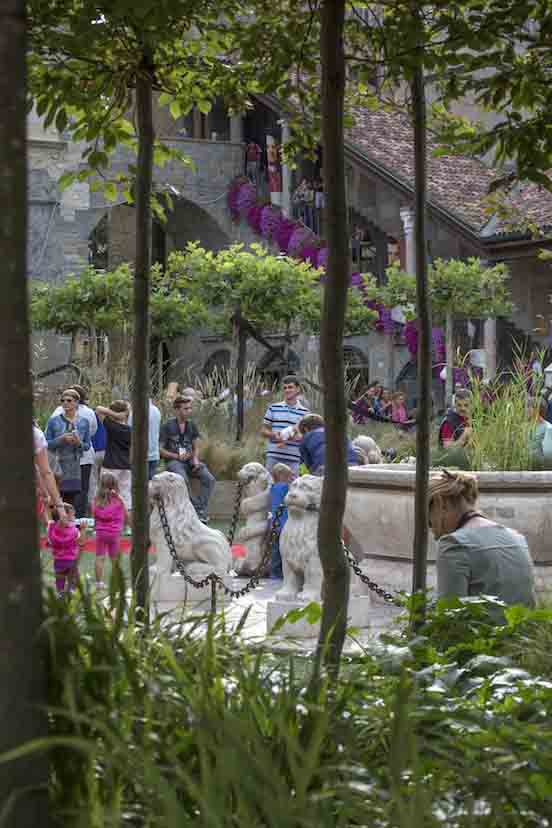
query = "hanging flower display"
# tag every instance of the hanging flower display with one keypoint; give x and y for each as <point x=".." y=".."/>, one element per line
<point x="268" y="222"/>
<point x="246" y="197"/>
<point x="322" y="257"/>
<point x="439" y="347"/>
<point x="298" y="239"/>
<point x="411" y="336"/>
<point x="254" y="217"/>
<point x="282" y="232"/>
<point x="309" y="254"/>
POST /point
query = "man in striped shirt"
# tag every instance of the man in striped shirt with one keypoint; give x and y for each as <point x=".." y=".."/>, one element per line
<point x="282" y="448"/>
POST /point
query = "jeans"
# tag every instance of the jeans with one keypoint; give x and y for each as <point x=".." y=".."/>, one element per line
<point x="152" y="468"/>
<point x="206" y="482"/>
<point x="81" y="503"/>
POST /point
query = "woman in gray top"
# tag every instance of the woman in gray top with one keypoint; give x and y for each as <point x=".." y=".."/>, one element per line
<point x="476" y="556"/>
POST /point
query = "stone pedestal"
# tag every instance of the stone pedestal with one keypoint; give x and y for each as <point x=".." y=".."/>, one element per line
<point x="172" y="591"/>
<point x="358" y="615"/>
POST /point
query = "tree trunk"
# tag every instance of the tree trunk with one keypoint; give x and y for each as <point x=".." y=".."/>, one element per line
<point x="22" y="649"/>
<point x="334" y="566"/>
<point x="423" y="429"/>
<point x="449" y="345"/>
<point x="141" y="362"/>
<point x="159" y="356"/>
<point x="241" y="361"/>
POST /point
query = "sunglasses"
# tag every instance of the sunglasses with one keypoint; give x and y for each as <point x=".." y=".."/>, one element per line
<point x="68" y="399"/>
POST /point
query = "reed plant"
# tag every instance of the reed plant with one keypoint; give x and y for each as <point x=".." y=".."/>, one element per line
<point x="501" y="422"/>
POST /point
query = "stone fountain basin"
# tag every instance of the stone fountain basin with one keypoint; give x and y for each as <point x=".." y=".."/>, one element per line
<point x="380" y="509"/>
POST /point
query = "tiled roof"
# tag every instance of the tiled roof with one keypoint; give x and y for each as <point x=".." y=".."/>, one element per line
<point x="459" y="184"/>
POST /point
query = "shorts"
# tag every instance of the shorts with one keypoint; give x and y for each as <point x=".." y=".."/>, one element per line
<point x="107" y="545"/>
<point x="124" y="479"/>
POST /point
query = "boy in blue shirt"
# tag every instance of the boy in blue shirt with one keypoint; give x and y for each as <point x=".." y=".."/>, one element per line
<point x="282" y="476"/>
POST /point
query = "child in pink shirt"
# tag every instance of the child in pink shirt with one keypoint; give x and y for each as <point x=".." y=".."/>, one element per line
<point x="64" y="539"/>
<point x="110" y="517"/>
<point x="399" y="413"/>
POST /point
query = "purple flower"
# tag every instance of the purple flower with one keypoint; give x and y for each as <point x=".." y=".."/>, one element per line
<point x="386" y="322"/>
<point x="254" y="217"/>
<point x="283" y="231"/>
<point x="246" y="197"/>
<point x="268" y="222"/>
<point x="411" y="336"/>
<point x="298" y="239"/>
<point x="322" y="257"/>
<point x="310" y="254"/>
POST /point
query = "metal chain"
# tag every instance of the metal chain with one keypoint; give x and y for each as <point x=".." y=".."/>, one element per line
<point x="372" y="585"/>
<point x="213" y="578"/>
<point x="236" y="513"/>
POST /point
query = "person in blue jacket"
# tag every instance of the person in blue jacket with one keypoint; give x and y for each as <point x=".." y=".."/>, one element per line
<point x="282" y="476"/>
<point x="313" y="445"/>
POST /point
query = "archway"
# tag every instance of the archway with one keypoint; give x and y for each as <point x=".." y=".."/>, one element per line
<point x="188" y="222"/>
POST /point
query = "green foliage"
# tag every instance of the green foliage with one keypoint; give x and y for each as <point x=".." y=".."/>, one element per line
<point x="85" y="58"/>
<point x="271" y="292"/>
<point x="168" y="727"/>
<point x="465" y="288"/>
<point x="96" y="299"/>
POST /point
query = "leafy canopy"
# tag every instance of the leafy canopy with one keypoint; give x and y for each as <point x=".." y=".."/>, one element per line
<point x="459" y="287"/>
<point x="95" y="299"/>
<point x="271" y="292"/>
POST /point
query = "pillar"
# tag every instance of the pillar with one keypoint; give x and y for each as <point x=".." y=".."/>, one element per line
<point x="407" y="218"/>
<point x="489" y="338"/>
<point x="286" y="174"/>
<point x="236" y="129"/>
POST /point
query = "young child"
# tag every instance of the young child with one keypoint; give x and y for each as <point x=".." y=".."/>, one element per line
<point x="282" y="476"/>
<point x="313" y="445"/>
<point x="110" y="516"/>
<point x="382" y="405"/>
<point x="65" y="540"/>
<point x="399" y="413"/>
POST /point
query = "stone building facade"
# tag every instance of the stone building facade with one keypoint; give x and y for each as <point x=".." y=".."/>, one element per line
<point x="69" y="229"/>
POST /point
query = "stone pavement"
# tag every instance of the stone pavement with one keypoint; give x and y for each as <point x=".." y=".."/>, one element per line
<point x="254" y="631"/>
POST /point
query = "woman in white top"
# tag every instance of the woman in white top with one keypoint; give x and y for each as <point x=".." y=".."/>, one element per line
<point x="45" y="474"/>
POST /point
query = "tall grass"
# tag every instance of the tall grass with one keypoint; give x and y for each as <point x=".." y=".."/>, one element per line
<point x="501" y="423"/>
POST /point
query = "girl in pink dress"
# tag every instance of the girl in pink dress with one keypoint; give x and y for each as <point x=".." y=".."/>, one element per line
<point x="64" y="539"/>
<point x="110" y="516"/>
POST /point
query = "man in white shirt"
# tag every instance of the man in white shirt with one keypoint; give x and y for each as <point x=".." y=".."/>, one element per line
<point x="87" y="459"/>
<point x="154" y="427"/>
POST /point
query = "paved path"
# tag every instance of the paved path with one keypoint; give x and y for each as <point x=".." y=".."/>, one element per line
<point x="382" y="618"/>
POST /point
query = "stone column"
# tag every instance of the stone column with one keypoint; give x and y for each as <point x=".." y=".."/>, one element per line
<point x="286" y="174"/>
<point x="407" y="218"/>
<point x="489" y="338"/>
<point x="236" y="129"/>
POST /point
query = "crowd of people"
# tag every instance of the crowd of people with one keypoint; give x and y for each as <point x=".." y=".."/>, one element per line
<point x="83" y="463"/>
<point x="308" y="203"/>
<point x="379" y="403"/>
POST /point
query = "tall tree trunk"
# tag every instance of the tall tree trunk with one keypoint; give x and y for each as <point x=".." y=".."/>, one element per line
<point x="449" y="347"/>
<point x="423" y="429"/>
<point x="141" y="362"/>
<point x="241" y="361"/>
<point x="22" y="650"/>
<point x="160" y="365"/>
<point x="334" y="566"/>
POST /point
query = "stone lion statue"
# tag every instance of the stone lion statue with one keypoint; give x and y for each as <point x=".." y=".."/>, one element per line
<point x="369" y="448"/>
<point x="255" y="505"/>
<point x="204" y="550"/>
<point x="299" y="544"/>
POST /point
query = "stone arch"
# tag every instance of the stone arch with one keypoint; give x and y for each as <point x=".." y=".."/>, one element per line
<point x="189" y="222"/>
<point x="218" y="361"/>
<point x="273" y="365"/>
<point x="356" y="364"/>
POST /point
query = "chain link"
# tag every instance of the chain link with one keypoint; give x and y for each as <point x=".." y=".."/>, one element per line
<point x="270" y="537"/>
<point x="236" y="513"/>
<point x="372" y="585"/>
